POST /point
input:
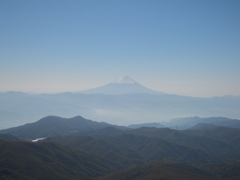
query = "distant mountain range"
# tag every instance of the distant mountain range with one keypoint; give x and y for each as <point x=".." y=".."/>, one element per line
<point x="191" y="122"/>
<point x="122" y="102"/>
<point x="157" y="125"/>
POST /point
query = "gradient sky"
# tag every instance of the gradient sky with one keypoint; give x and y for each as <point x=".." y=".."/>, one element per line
<point x="185" y="47"/>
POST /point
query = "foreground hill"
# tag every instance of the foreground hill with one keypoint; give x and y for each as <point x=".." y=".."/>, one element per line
<point x="146" y="144"/>
<point x="221" y="142"/>
<point x="163" y="171"/>
<point x="136" y="146"/>
<point x="84" y="149"/>
<point x="227" y="135"/>
<point x="103" y="147"/>
<point x="53" y="126"/>
<point x="48" y="161"/>
<point x="177" y="170"/>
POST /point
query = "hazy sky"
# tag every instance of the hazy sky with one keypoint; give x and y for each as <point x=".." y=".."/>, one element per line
<point x="185" y="47"/>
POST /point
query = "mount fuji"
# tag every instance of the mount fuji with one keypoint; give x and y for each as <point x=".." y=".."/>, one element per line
<point x="124" y="85"/>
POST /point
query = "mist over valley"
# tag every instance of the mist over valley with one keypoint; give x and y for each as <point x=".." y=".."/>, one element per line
<point x="117" y="103"/>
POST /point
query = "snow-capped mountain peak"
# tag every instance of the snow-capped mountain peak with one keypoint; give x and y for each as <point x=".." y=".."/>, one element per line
<point x="124" y="85"/>
<point x="125" y="80"/>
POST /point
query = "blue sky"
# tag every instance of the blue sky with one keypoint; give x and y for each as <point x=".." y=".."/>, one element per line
<point x="185" y="47"/>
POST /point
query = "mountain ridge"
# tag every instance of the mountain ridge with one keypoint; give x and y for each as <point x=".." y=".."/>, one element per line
<point x="190" y="122"/>
<point x="78" y="148"/>
<point x="53" y="126"/>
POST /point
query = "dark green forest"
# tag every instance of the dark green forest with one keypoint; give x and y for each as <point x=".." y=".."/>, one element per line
<point x="78" y="149"/>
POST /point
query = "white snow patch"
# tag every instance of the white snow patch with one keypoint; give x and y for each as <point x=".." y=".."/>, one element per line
<point x="38" y="139"/>
<point x="125" y="80"/>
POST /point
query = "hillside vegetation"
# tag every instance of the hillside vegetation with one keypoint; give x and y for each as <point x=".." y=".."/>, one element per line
<point x="78" y="148"/>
